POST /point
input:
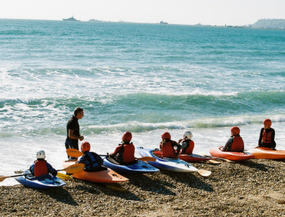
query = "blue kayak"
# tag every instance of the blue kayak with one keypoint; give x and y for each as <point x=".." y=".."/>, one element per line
<point x="43" y="182"/>
<point x="170" y="164"/>
<point x="137" y="167"/>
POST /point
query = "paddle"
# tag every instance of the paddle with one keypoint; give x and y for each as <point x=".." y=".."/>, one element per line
<point x="76" y="153"/>
<point x="71" y="169"/>
<point x="204" y="173"/>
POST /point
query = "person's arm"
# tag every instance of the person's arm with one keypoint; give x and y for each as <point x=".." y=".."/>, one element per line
<point x="260" y="136"/>
<point x="116" y="150"/>
<point x="228" y="145"/>
<point x="51" y="169"/>
<point x="72" y="136"/>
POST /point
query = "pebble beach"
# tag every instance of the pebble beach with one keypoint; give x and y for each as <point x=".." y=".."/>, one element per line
<point x="251" y="188"/>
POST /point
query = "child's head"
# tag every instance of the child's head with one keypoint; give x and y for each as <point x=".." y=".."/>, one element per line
<point x="127" y="137"/>
<point x="235" y="131"/>
<point x="187" y="135"/>
<point x="166" y="135"/>
<point x="267" y="123"/>
<point x="85" y="146"/>
<point x="41" y="155"/>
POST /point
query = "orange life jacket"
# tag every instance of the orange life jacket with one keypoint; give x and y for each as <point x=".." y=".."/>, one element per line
<point x="40" y="168"/>
<point x="167" y="149"/>
<point x="267" y="136"/>
<point x="129" y="153"/>
<point x="237" y="144"/>
<point x="190" y="147"/>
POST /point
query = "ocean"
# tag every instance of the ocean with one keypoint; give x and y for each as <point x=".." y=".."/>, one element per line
<point x="142" y="78"/>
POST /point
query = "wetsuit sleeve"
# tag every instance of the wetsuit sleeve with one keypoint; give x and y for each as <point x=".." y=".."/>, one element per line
<point x="51" y="169"/>
<point x="228" y="145"/>
<point x="117" y="150"/>
<point x="184" y="146"/>
<point x="260" y="136"/>
<point x="82" y="160"/>
<point x="32" y="169"/>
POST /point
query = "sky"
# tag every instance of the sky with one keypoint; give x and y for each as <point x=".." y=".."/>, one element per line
<point x="189" y="12"/>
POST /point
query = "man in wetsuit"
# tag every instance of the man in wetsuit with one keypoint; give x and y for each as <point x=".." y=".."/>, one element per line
<point x="73" y="131"/>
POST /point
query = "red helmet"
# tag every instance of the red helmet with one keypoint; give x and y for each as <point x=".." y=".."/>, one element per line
<point x="267" y="122"/>
<point x="235" y="130"/>
<point x="85" y="146"/>
<point x="166" y="135"/>
<point x="127" y="137"/>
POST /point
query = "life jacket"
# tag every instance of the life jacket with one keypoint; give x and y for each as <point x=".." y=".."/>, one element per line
<point x="94" y="161"/>
<point x="168" y="150"/>
<point x="189" y="148"/>
<point x="40" y="168"/>
<point x="128" y="152"/>
<point x="237" y="144"/>
<point x="267" y="136"/>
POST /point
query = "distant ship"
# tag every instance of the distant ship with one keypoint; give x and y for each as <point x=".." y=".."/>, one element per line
<point x="70" y="19"/>
<point x="161" y="22"/>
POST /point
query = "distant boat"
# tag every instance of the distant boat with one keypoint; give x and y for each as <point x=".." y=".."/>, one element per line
<point x="70" y="19"/>
<point x="161" y="22"/>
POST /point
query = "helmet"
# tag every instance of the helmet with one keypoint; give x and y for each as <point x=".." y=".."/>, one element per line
<point x="235" y="130"/>
<point x="188" y="135"/>
<point x="41" y="154"/>
<point x="85" y="146"/>
<point x="267" y="122"/>
<point x="127" y="137"/>
<point x="166" y="135"/>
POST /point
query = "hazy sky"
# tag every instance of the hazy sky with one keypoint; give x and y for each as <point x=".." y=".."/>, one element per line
<point x="206" y="12"/>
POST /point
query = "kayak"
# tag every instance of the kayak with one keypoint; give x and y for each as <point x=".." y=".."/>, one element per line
<point x="187" y="157"/>
<point x="267" y="153"/>
<point x="231" y="155"/>
<point x="137" y="167"/>
<point x="104" y="176"/>
<point x="170" y="164"/>
<point x="42" y="183"/>
<point x="193" y="157"/>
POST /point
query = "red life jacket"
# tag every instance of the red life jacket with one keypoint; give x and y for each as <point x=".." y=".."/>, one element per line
<point x="129" y="153"/>
<point x="40" y="168"/>
<point x="267" y="136"/>
<point x="190" y="147"/>
<point x="237" y="144"/>
<point x="168" y="150"/>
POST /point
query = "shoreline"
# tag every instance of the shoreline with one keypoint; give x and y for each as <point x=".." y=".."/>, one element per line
<point x="251" y="188"/>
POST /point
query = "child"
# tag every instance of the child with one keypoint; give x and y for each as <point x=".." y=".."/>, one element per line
<point x="41" y="167"/>
<point x="267" y="135"/>
<point x="92" y="161"/>
<point x="187" y="143"/>
<point x="168" y="147"/>
<point x="125" y="152"/>
<point x="235" y="142"/>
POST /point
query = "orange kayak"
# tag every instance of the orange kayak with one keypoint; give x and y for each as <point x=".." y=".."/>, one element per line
<point x="104" y="176"/>
<point x="267" y="153"/>
<point x="230" y="155"/>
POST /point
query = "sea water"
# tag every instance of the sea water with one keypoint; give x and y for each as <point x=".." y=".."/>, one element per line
<point x="142" y="78"/>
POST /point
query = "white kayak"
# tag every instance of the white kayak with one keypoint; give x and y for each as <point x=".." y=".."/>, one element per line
<point x="170" y="164"/>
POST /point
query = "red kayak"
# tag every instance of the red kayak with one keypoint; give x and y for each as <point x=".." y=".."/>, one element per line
<point x="267" y="153"/>
<point x="231" y="155"/>
<point x="186" y="157"/>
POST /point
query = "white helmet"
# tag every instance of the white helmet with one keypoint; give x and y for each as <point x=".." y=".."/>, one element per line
<point x="41" y="154"/>
<point x="188" y="135"/>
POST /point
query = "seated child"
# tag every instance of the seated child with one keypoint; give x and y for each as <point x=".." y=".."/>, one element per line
<point x="187" y="143"/>
<point x="41" y="167"/>
<point x="125" y="152"/>
<point x="168" y="147"/>
<point x="92" y="161"/>
<point x="267" y="134"/>
<point x="235" y="142"/>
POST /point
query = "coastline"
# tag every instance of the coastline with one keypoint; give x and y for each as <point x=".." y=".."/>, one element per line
<point x="250" y="188"/>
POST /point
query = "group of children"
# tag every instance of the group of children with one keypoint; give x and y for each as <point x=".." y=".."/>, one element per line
<point x="125" y="151"/>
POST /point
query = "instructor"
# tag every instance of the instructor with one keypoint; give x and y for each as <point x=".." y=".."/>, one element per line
<point x="73" y="131"/>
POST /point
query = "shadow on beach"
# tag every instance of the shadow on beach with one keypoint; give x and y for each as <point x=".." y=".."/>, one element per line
<point x="255" y="165"/>
<point x="59" y="194"/>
